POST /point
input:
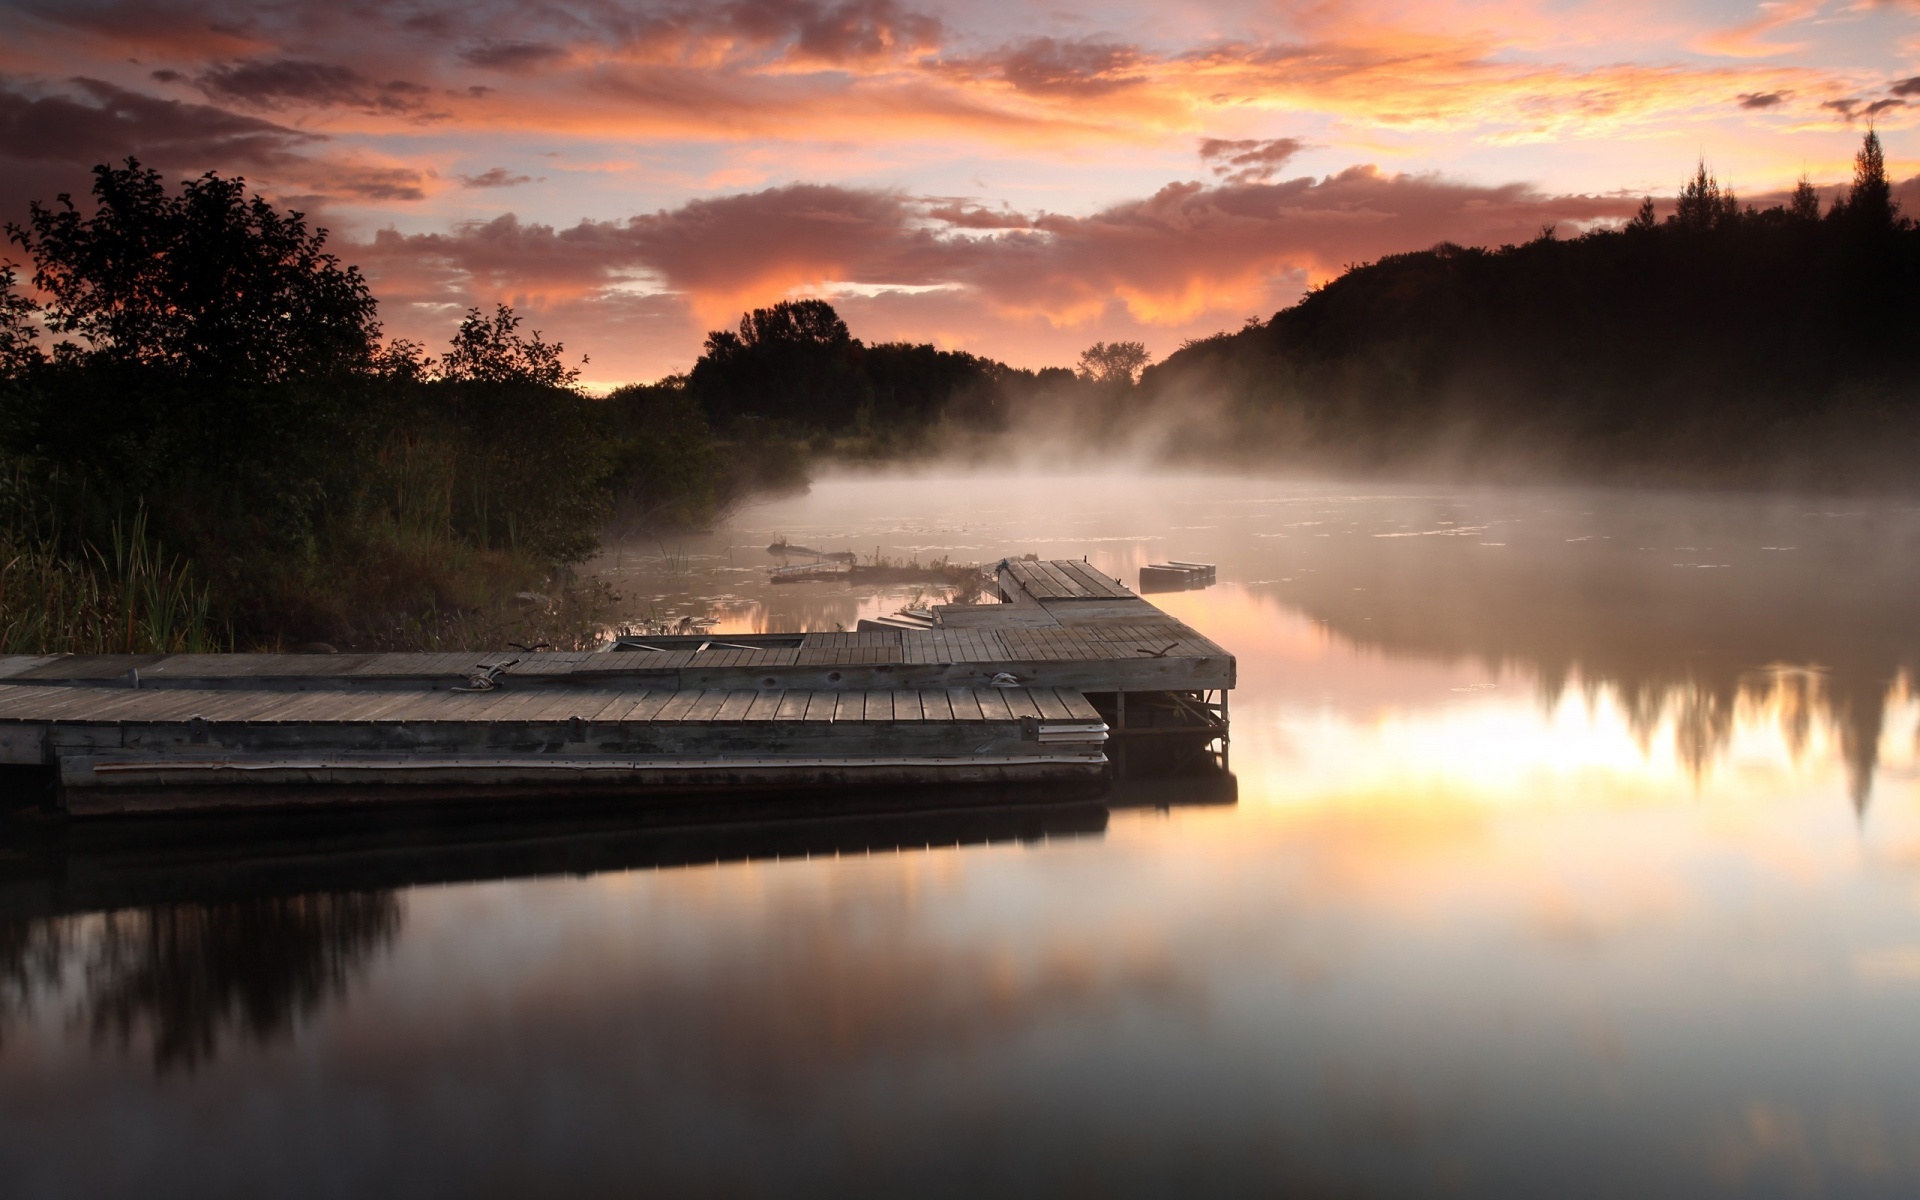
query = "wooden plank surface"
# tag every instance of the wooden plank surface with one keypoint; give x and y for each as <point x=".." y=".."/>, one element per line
<point x="90" y="666"/>
<point x="532" y="705"/>
<point x="1051" y="707"/>
<point x="1095" y="582"/>
<point x="1079" y="708"/>
<point x="1020" y="702"/>
<point x="650" y="706"/>
<point x="675" y="709"/>
<point x="1064" y="585"/>
<point x="42" y="703"/>
<point x="820" y="705"/>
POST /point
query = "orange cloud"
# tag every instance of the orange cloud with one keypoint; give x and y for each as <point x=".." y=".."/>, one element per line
<point x="1187" y="253"/>
<point x="1748" y="40"/>
<point x="406" y="115"/>
<point x="875" y="69"/>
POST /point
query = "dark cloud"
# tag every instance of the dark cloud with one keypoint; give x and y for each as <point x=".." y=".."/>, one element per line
<point x="965" y="214"/>
<point x="1906" y="87"/>
<point x="104" y="122"/>
<point x="434" y="24"/>
<point x="494" y="177"/>
<point x="285" y="82"/>
<point x="1762" y="99"/>
<point x="1078" y="68"/>
<point x="49" y="143"/>
<point x="370" y="183"/>
<point x="850" y="32"/>
<point x="184" y="28"/>
<point x="862" y="29"/>
<point x="514" y="58"/>
<point x="1248" y="160"/>
<point x="1853" y="110"/>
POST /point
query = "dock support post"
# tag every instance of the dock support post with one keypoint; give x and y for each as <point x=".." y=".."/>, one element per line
<point x="1226" y="729"/>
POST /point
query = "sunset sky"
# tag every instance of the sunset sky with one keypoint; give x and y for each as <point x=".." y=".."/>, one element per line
<point x="1014" y="180"/>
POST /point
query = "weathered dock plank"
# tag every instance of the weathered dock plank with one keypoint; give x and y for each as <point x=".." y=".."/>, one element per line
<point x="992" y="691"/>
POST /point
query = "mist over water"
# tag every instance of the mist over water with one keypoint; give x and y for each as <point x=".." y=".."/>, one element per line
<point x="1574" y="854"/>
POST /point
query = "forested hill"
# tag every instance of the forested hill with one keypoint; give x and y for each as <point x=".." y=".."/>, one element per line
<point x="1724" y="344"/>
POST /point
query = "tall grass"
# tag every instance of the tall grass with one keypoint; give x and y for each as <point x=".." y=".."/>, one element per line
<point x="127" y="597"/>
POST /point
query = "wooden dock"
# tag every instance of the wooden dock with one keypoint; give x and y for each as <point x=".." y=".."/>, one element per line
<point x="1031" y="691"/>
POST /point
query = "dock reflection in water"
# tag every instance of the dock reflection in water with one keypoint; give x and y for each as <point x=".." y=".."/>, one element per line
<point x="188" y="934"/>
<point x="1572" y="851"/>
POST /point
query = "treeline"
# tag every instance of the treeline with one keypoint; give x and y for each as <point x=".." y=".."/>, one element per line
<point x="1724" y="344"/>
<point x="793" y="380"/>
<point x="219" y="449"/>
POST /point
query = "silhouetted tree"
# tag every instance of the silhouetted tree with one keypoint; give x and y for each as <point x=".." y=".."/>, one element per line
<point x="206" y="363"/>
<point x="1805" y="204"/>
<point x="1115" y="362"/>
<point x="1643" y="217"/>
<point x="17" y="328"/>
<point x="491" y="350"/>
<point x="1869" y="204"/>
<point x="794" y="362"/>
<point x="1703" y="204"/>
<point x="219" y="374"/>
<point x="794" y="322"/>
<point x="1774" y="348"/>
<point x="208" y="284"/>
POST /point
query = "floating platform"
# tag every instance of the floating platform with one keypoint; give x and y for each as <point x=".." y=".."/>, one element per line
<point x="1176" y="577"/>
<point x="1028" y="694"/>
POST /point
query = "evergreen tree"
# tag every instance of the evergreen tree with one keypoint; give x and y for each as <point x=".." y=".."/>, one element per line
<point x="1703" y="204"/>
<point x="1869" y="202"/>
<point x="1805" y="205"/>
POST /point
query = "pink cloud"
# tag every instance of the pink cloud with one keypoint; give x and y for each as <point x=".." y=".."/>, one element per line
<point x="1188" y="255"/>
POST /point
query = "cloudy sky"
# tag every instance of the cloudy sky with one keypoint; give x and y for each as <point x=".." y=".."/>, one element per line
<point x="1017" y="180"/>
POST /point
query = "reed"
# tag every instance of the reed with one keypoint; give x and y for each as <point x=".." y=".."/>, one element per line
<point x="127" y="597"/>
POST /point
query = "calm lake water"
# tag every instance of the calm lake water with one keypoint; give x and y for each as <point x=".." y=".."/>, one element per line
<point x="1576" y="852"/>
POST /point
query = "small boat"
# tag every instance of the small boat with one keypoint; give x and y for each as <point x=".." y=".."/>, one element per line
<point x="1175" y="576"/>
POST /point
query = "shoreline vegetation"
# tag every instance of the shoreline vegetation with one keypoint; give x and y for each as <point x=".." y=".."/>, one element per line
<point x="218" y="449"/>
